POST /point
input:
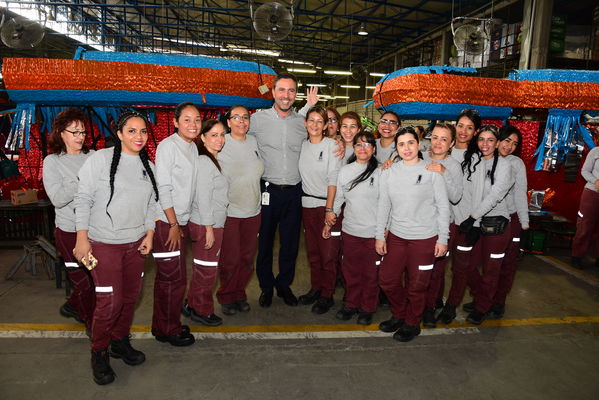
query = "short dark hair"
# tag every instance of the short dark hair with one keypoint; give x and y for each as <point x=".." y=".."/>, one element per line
<point x="449" y="127"/>
<point x="406" y="130"/>
<point x="284" y="75"/>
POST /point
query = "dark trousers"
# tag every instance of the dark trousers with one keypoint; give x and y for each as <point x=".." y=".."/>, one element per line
<point x="83" y="297"/>
<point x="236" y="264"/>
<point x="587" y="224"/>
<point x="204" y="269"/>
<point x="510" y="262"/>
<point x="404" y="275"/>
<point x="465" y="259"/>
<point x="323" y="254"/>
<point x="118" y="280"/>
<point x="436" y="285"/>
<point x="284" y="212"/>
<point x="170" y="282"/>
<point x="360" y="272"/>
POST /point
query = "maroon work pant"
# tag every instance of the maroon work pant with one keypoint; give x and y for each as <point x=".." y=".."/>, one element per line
<point x="436" y="286"/>
<point x="322" y="253"/>
<point x="464" y="261"/>
<point x="204" y="269"/>
<point x="360" y="272"/>
<point x="118" y="279"/>
<point x="510" y="261"/>
<point x="587" y="224"/>
<point x="404" y="275"/>
<point x="83" y="297"/>
<point x="492" y="250"/>
<point x="236" y="264"/>
<point x="170" y="282"/>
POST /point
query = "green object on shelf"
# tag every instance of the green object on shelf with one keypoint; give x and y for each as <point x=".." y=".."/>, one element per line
<point x="537" y="241"/>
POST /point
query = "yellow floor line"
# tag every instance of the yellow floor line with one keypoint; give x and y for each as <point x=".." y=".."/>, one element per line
<point x="310" y="328"/>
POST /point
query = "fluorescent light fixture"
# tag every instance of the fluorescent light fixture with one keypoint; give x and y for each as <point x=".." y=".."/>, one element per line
<point x="350" y="86"/>
<point x="362" y="30"/>
<point x="370" y="87"/>
<point x="376" y="74"/>
<point x="246" y="50"/>
<point x="316" y="84"/>
<point x="333" y="72"/>
<point x="341" y="97"/>
<point x="302" y="70"/>
<point x="293" y="62"/>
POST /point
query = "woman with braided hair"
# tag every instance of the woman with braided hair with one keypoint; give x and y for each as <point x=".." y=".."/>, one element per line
<point x="115" y="212"/>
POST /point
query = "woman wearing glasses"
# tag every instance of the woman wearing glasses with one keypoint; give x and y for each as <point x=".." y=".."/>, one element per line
<point x="350" y="127"/>
<point x="318" y="168"/>
<point x="485" y="233"/>
<point x="176" y="158"/>
<point x="414" y="206"/>
<point x="115" y="208"/>
<point x="242" y="166"/>
<point x="358" y="189"/>
<point x="334" y="121"/>
<point x="68" y="153"/>
<point x="387" y="128"/>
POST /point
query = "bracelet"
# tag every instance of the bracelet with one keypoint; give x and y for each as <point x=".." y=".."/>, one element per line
<point x="173" y="224"/>
<point x="326" y="210"/>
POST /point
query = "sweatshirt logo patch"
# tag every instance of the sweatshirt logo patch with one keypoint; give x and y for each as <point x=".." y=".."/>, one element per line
<point x="144" y="175"/>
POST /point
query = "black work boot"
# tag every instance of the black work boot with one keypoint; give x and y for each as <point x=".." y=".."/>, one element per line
<point x="447" y="314"/>
<point x="103" y="373"/>
<point x="428" y="318"/>
<point x="121" y="348"/>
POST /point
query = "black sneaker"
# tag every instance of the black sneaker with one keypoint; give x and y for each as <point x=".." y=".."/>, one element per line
<point x="346" y="313"/>
<point x="242" y="306"/>
<point x="406" y="333"/>
<point x="208" y="320"/>
<point x="186" y="309"/>
<point x="391" y="325"/>
<point x="229" y="309"/>
<point x="322" y="305"/>
<point x="365" y="318"/>
<point x="310" y="297"/>
<point x="184" y="338"/>
<point x="476" y="317"/>
<point x="447" y="315"/>
<point x="428" y="318"/>
<point x="496" y="311"/>
<point x="103" y="373"/>
<point x="468" y="307"/>
<point x="121" y="348"/>
<point x="438" y="304"/>
<point x="69" y="312"/>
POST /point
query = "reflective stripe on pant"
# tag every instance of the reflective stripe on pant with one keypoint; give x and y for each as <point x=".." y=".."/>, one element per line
<point x="170" y="282"/>
<point x="587" y="224"/>
<point x="492" y="251"/>
<point x="436" y="285"/>
<point x="236" y="263"/>
<point x="464" y="261"/>
<point x="404" y="275"/>
<point x="322" y="253"/>
<point x="204" y="268"/>
<point x="83" y="297"/>
<point x="118" y="280"/>
<point x="510" y="262"/>
<point x="360" y="272"/>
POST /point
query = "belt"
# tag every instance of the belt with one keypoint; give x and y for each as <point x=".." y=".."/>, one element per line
<point x="280" y="187"/>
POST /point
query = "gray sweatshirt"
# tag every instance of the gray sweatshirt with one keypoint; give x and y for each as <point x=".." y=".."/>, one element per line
<point x="60" y="182"/>
<point x="517" y="197"/>
<point x="175" y="175"/>
<point x="359" y="215"/>
<point x="383" y="153"/>
<point x="480" y="198"/>
<point x="458" y="154"/>
<point x="413" y="203"/>
<point x="243" y="167"/>
<point x="453" y="180"/>
<point x="349" y="151"/>
<point x="590" y="169"/>
<point x="133" y="206"/>
<point x="210" y="202"/>
<point x="318" y="168"/>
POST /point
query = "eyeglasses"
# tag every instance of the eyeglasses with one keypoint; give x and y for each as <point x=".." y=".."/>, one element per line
<point x="333" y="119"/>
<point x="76" y="133"/>
<point x="363" y="144"/>
<point x="388" y="122"/>
<point x="240" y="117"/>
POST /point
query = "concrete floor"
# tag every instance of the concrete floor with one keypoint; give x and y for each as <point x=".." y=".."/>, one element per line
<point x="546" y="347"/>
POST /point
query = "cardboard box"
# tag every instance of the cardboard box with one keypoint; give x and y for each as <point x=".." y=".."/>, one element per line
<point x="18" y="197"/>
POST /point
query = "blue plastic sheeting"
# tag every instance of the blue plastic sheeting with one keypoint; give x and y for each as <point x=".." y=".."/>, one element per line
<point x="118" y="97"/>
<point x="433" y="69"/>
<point x="555" y="75"/>
<point x="225" y="64"/>
<point x="443" y="111"/>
